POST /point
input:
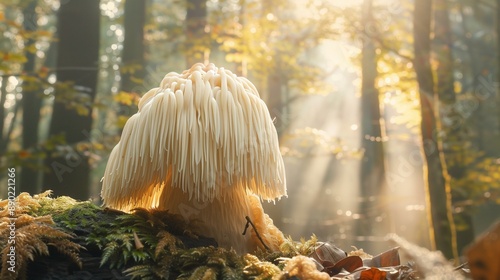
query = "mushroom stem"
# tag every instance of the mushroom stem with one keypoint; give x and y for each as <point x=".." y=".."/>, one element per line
<point x="223" y="218"/>
<point x="249" y="222"/>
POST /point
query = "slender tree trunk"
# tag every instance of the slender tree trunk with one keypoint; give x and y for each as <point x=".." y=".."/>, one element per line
<point x="485" y="134"/>
<point x="3" y="98"/>
<point x="443" y="49"/>
<point x="497" y="85"/>
<point x="31" y="110"/>
<point x="275" y="100"/>
<point x="438" y="193"/>
<point x="77" y="62"/>
<point x="133" y="51"/>
<point x="452" y="121"/>
<point x="373" y="182"/>
<point x="196" y="37"/>
<point x="275" y="80"/>
<point x="452" y="124"/>
<point x="133" y="44"/>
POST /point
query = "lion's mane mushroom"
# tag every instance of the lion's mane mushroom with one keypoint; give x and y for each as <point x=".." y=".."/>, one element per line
<point x="202" y="145"/>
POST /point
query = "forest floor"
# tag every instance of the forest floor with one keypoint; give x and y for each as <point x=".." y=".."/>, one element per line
<point x="61" y="238"/>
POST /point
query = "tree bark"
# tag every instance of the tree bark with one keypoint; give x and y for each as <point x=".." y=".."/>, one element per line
<point x="438" y="193"/>
<point x="77" y="62"/>
<point x="133" y="43"/>
<point x="497" y="85"/>
<point x="453" y="126"/>
<point x="373" y="182"/>
<point x="31" y="103"/>
<point x="275" y="100"/>
<point x="133" y="51"/>
<point x="3" y="97"/>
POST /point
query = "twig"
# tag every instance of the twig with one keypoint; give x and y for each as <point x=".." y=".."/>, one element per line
<point x="249" y="222"/>
<point x="461" y="266"/>
<point x="378" y="38"/>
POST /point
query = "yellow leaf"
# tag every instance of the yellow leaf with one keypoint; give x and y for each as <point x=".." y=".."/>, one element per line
<point x="136" y="80"/>
<point x="125" y="98"/>
<point x="31" y="48"/>
<point x="82" y="110"/>
<point x="15" y="57"/>
<point x="121" y="121"/>
<point x="98" y="146"/>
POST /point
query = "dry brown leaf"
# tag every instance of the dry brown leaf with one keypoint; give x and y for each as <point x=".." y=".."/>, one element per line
<point x="387" y="258"/>
<point x="327" y="254"/>
<point x="373" y="274"/>
<point x="349" y="264"/>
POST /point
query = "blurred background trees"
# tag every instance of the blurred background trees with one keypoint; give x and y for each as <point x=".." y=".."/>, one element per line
<point x="387" y="111"/>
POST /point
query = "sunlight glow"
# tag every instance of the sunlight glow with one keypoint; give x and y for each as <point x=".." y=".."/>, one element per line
<point x="392" y="4"/>
<point x="345" y="4"/>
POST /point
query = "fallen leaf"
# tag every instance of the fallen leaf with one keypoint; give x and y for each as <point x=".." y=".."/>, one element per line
<point x="327" y="254"/>
<point x="349" y="264"/>
<point x="372" y="274"/>
<point x="387" y="258"/>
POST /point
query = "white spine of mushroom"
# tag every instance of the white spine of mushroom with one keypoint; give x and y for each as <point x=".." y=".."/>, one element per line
<point x="205" y="137"/>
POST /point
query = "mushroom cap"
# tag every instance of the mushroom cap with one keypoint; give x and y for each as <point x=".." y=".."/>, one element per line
<point x="203" y="131"/>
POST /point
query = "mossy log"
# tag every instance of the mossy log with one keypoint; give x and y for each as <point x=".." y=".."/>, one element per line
<point x="60" y="238"/>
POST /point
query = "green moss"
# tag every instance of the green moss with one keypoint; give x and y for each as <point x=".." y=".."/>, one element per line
<point x="53" y="206"/>
<point x="146" y="244"/>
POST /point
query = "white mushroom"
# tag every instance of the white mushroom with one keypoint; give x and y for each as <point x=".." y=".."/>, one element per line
<point x="202" y="145"/>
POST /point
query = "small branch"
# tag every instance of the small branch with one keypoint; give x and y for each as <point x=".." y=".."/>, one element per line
<point x="461" y="266"/>
<point x="383" y="44"/>
<point x="249" y="222"/>
<point x="378" y="39"/>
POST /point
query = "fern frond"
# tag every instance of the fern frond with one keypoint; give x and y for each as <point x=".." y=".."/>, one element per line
<point x="166" y="240"/>
<point x="292" y="248"/>
<point x="229" y="273"/>
<point x="33" y="236"/>
<point x="109" y="252"/>
<point x="23" y="204"/>
<point x="140" y="272"/>
<point x="259" y="270"/>
<point x="69" y="249"/>
<point x="200" y="273"/>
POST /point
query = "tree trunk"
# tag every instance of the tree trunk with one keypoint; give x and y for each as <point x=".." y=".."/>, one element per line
<point x="133" y="44"/>
<point x="275" y="100"/>
<point x="77" y="62"/>
<point x="438" y="193"/>
<point x="31" y="104"/>
<point x="3" y="97"/>
<point x="451" y="119"/>
<point x="133" y="51"/>
<point x="485" y="124"/>
<point x="452" y="124"/>
<point x="196" y="38"/>
<point x="373" y="182"/>
<point x="497" y="85"/>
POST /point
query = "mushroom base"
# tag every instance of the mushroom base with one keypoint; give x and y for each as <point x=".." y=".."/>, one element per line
<point x="224" y="218"/>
